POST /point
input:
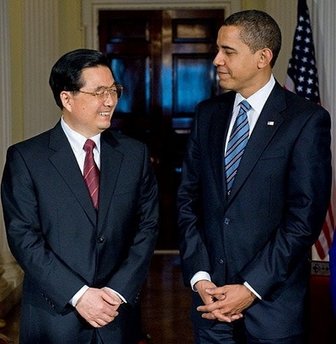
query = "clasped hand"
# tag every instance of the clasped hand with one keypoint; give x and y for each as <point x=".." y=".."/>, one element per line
<point x="223" y="303"/>
<point x="98" y="307"/>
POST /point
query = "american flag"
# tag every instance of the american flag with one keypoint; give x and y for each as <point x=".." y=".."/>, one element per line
<point x="302" y="79"/>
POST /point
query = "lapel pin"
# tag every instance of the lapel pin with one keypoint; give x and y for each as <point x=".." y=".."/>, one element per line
<point x="270" y="123"/>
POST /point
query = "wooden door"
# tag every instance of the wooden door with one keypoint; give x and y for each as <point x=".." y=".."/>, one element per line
<point x="164" y="60"/>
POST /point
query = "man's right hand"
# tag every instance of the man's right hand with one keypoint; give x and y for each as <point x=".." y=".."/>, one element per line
<point x="98" y="307"/>
<point x="201" y="286"/>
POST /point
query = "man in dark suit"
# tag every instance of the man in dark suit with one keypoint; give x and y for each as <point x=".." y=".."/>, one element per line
<point x="85" y="258"/>
<point x="250" y="212"/>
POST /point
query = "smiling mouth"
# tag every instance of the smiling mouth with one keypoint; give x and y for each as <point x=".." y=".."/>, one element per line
<point x="105" y="114"/>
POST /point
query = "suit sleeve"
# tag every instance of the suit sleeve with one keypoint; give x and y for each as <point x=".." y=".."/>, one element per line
<point x="307" y="198"/>
<point x="26" y="241"/>
<point x="193" y="251"/>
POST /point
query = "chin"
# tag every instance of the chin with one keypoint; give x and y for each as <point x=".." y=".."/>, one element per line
<point x="104" y="127"/>
<point x="106" y="119"/>
<point x="225" y="85"/>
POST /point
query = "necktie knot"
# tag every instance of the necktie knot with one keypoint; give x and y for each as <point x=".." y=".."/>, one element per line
<point x="89" y="145"/>
<point x="245" y="105"/>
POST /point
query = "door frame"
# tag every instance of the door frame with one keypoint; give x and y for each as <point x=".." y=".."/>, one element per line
<point x="91" y="8"/>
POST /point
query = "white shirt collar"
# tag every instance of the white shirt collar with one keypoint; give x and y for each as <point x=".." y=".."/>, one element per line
<point x="77" y="140"/>
<point x="258" y="99"/>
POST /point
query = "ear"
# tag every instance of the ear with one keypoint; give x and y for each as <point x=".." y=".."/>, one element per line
<point x="265" y="57"/>
<point x="66" y="98"/>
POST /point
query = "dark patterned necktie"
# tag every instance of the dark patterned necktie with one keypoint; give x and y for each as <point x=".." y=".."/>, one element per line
<point x="236" y="145"/>
<point x="91" y="172"/>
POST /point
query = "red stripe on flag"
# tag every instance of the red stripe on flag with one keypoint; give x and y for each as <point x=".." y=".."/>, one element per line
<point x="324" y="241"/>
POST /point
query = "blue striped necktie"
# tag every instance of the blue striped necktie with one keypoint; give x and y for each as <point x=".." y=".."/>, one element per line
<point x="236" y="145"/>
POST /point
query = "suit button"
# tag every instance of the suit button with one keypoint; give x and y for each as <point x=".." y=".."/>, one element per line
<point x="101" y="239"/>
<point x="226" y="221"/>
<point x="221" y="261"/>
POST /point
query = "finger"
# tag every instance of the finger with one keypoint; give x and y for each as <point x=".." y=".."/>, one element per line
<point x="103" y="320"/>
<point x="216" y="297"/>
<point x="218" y="316"/>
<point x="208" y="316"/>
<point x="93" y="323"/>
<point x="232" y="317"/>
<point x="109" y="317"/>
<point x="236" y="316"/>
<point x="208" y="299"/>
<point x="116" y="298"/>
<point x="222" y="316"/>
<point x="204" y="308"/>
<point x="101" y="323"/>
<point x="217" y="290"/>
<point x="211" y="306"/>
<point x="110" y="298"/>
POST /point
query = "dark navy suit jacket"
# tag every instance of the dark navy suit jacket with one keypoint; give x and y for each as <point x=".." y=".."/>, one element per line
<point x="62" y="243"/>
<point x="262" y="233"/>
<point x="332" y="263"/>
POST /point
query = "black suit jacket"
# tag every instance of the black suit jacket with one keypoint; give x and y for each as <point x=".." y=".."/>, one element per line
<point x="262" y="233"/>
<point x="62" y="243"/>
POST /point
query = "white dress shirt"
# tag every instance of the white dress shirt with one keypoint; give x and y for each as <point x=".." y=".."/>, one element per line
<point x="77" y="142"/>
<point x="257" y="102"/>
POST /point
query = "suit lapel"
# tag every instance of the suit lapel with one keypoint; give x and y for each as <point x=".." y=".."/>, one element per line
<point x="65" y="162"/>
<point x="267" y="125"/>
<point x="110" y="163"/>
<point x="218" y="131"/>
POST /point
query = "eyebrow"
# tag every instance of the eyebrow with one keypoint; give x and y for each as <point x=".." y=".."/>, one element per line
<point x="104" y="87"/>
<point x="226" y="47"/>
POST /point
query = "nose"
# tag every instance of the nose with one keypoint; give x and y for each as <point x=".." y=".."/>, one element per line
<point x="218" y="60"/>
<point x="111" y="100"/>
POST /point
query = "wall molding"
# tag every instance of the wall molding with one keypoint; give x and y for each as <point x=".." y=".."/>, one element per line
<point x="90" y="9"/>
<point x="10" y="273"/>
<point x="41" y="28"/>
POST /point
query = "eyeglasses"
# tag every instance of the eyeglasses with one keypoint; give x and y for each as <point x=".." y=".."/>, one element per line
<point x="103" y="93"/>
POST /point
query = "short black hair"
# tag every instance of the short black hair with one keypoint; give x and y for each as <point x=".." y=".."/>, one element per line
<point x="258" y="31"/>
<point x="67" y="71"/>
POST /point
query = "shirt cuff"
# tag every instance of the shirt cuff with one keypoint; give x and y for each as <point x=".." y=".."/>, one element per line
<point x="82" y="290"/>
<point x="199" y="276"/>
<point x="115" y="292"/>
<point x="78" y="295"/>
<point x="247" y="285"/>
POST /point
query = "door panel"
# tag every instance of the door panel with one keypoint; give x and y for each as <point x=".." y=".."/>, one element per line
<point x="164" y="61"/>
<point x="192" y="74"/>
<point x="134" y="71"/>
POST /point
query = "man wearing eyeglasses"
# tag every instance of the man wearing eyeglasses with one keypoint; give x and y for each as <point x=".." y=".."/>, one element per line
<point x="81" y="213"/>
